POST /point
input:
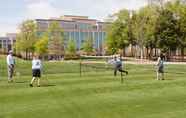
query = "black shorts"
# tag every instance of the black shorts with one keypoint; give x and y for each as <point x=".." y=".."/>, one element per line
<point x="160" y="69"/>
<point x="36" y="73"/>
<point x="118" y="67"/>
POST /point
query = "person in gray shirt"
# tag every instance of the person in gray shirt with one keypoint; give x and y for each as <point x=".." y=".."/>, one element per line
<point x="117" y="65"/>
<point x="10" y="66"/>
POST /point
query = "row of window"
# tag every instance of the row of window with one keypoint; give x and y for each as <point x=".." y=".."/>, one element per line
<point x="68" y="25"/>
<point x="80" y="37"/>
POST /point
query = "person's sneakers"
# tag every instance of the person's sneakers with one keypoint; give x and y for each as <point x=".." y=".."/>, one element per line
<point x="31" y="85"/>
<point x="10" y="81"/>
<point x="38" y="86"/>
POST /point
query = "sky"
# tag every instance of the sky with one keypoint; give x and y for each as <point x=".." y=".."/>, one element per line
<point x="13" y="12"/>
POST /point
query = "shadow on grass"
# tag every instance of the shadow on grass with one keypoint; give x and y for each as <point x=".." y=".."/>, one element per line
<point x="48" y="85"/>
<point x="22" y="82"/>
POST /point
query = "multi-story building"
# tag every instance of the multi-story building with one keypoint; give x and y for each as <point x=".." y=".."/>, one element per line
<point x="78" y="28"/>
<point x="7" y="42"/>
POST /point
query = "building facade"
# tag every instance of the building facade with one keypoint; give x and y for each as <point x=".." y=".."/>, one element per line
<point x="7" y="42"/>
<point x="79" y="29"/>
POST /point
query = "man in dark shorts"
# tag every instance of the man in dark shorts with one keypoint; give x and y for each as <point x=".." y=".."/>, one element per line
<point x="36" y="71"/>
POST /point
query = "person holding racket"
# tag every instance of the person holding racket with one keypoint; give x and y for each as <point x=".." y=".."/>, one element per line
<point x="160" y="67"/>
<point x="36" y="70"/>
<point x="10" y="65"/>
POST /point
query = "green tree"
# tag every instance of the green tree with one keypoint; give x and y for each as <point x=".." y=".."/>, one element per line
<point x="178" y="7"/>
<point x="41" y="46"/>
<point x="26" y="38"/>
<point x="118" y="32"/>
<point x="88" y="46"/>
<point x="166" y="31"/>
<point x="138" y="28"/>
<point x="56" y="41"/>
<point x="71" y="48"/>
<point x="150" y="15"/>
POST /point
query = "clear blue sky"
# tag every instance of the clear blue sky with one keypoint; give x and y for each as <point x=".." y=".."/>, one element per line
<point x="12" y="12"/>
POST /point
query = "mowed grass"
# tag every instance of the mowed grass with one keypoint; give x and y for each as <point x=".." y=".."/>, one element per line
<point x="97" y="94"/>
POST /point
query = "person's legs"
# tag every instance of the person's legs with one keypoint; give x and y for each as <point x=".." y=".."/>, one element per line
<point x="161" y="73"/>
<point x="123" y="71"/>
<point x="115" y="71"/>
<point x="32" y="81"/>
<point x="39" y="76"/>
<point x="10" y="73"/>
<point x="162" y="76"/>
<point x="38" y="81"/>
<point x="33" y="78"/>
<point x="157" y="75"/>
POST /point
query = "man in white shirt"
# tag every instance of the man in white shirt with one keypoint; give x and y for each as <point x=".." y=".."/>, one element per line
<point x="36" y="70"/>
<point x="10" y="66"/>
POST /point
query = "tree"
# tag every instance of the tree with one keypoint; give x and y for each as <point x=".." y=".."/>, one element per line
<point x="56" y="41"/>
<point x="118" y="31"/>
<point x="178" y="7"/>
<point x="71" y="48"/>
<point x="41" y="46"/>
<point x="26" y="37"/>
<point x="150" y="15"/>
<point x="167" y="31"/>
<point x="88" y="46"/>
<point x="138" y="27"/>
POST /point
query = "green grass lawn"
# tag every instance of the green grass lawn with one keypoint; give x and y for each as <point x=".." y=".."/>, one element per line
<point x="97" y="94"/>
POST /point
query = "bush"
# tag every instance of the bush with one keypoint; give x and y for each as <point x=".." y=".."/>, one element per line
<point x="71" y="57"/>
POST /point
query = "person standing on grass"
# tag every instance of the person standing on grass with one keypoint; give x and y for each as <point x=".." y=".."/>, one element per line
<point x="160" y="67"/>
<point x="10" y="65"/>
<point x="36" y="70"/>
<point x="117" y="65"/>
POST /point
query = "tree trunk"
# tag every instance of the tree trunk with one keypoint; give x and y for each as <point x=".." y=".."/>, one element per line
<point x="147" y="53"/>
<point x="124" y="54"/>
<point x="151" y="52"/>
<point x="182" y="53"/>
<point x="141" y="52"/>
<point x="132" y="51"/>
<point x="155" y="52"/>
<point x="26" y="54"/>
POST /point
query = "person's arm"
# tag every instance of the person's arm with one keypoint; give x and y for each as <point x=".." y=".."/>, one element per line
<point x="111" y="61"/>
<point x="12" y="61"/>
<point x="41" y="66"/>
<point x="7" y="60"/>
<point x="32" y="63"/>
